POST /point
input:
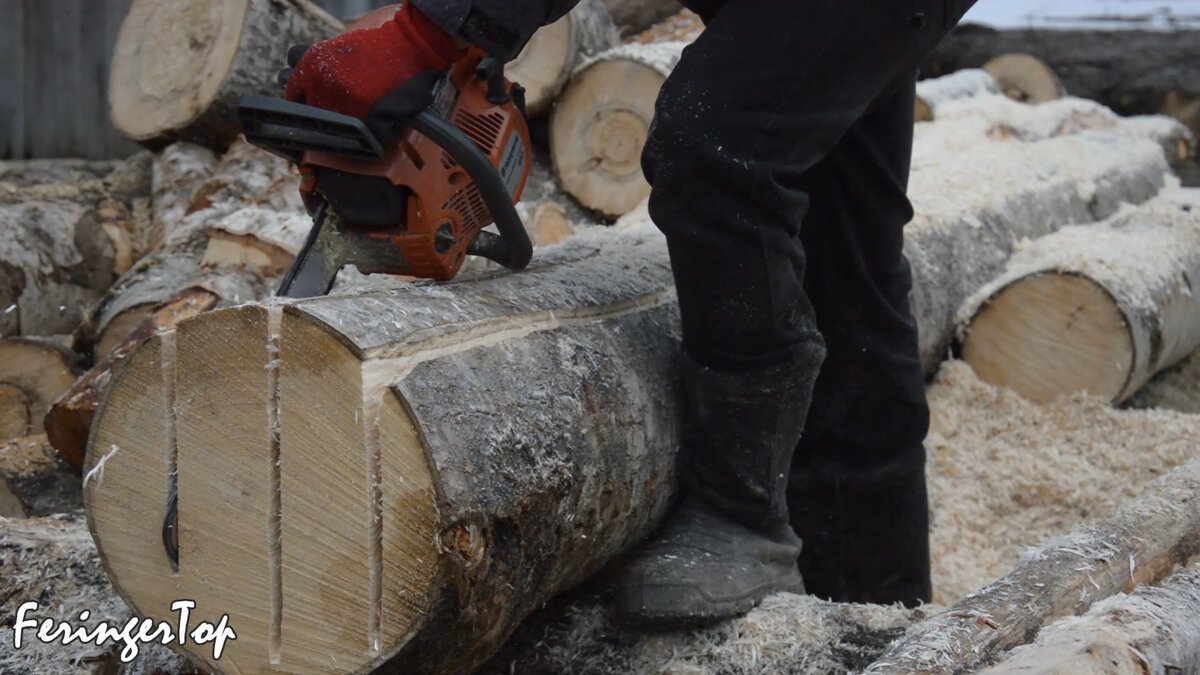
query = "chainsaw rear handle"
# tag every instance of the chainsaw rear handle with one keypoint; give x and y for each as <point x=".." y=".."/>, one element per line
<point x="290" y="129"/>
<point x="512" y="248"/>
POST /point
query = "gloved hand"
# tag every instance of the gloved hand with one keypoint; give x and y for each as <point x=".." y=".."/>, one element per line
<point x="379" y="75"/>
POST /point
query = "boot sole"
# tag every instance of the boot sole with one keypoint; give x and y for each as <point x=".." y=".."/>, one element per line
<point x="668" y="606"/>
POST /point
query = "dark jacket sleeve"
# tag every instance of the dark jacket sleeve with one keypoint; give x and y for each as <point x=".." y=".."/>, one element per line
<point x="500" y="27"/>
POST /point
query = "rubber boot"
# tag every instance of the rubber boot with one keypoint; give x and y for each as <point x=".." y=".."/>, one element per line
<point x="728" y="543"/>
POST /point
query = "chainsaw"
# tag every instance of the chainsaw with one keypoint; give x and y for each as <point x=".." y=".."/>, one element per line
<point x="418" y="205"/>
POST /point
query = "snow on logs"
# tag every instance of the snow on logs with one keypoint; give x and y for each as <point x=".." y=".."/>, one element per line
<point x="1098" y="308"/>
<point x="180" y="65"/>
<point x="395" y="475"/>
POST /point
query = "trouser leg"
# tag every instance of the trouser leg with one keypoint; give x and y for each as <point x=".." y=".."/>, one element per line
<point x="767" y="91"/>
<point x="857" y="487"/>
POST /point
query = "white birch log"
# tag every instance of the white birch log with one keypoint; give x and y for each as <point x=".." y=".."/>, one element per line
<point x="180" y="65"/>
<point x="634" y="16"/>
<point x="1096" y="308"/>
<point x="555" y="51"/>
<point x="1140" y="544"/>
<point x="1153" y="630"/>
<point x="600" y="123"/>
<point x="477" y="447"/>
<point x="976" y="199"/>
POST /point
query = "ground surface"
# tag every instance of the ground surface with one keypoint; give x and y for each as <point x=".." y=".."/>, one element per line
<point x="1004" y="474"/>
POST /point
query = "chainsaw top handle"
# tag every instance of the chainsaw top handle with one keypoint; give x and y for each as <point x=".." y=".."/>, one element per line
<point x="290" y="129"/>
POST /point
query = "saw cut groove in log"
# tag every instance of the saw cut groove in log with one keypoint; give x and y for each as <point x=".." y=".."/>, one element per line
<point x="555" y="51"/>
<point x="1098" y="308"/>
<point x="600" y="123"/>
<point x="976" y="197"/>
<point x="69" y="420"/>
<point x="1155" y="629"/>
<point x="446" y="457"/>
<point x="933" y="93"/>
<point x="1024" y="78"/>
<point x="180" y="65"/>
<point x="33" y="372"/>
<point x="1140" y="544"/>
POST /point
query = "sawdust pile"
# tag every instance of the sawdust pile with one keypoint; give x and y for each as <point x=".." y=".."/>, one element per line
<point x="1004" y="474"/>
<point x="52" y="561"/>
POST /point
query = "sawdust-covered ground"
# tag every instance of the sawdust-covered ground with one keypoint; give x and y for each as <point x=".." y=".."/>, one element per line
<point x="1004" y="474"/>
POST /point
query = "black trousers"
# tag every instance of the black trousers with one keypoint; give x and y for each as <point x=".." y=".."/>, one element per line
<point x="779" y="160"/>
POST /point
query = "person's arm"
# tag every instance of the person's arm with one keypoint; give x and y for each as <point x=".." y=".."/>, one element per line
<point x="499" y="27"/>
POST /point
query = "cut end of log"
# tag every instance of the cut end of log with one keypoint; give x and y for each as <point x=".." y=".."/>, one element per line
<point x="170" y="62"/>
<point x="598" y="130"/>
<point x="345" y="577"/>
<point x="540" y="65"/>
<point x="243" y="250"/>
<point x="1051" y="334"/>
<point x="1025" y="78"/>
<point x="33" y="372"/>
<point x="923" y="112"/>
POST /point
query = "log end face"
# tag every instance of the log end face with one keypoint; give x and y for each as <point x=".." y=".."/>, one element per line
<point x="1051" y="334"/>
<point x="1025" y="78"/>
<point x="170" y="62"/>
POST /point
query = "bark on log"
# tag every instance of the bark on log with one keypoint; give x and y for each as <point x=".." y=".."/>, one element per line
<point x="635" y="16"/>
<point x="971" y="212"/>
<point x="33" y="372"/>
<point x="933" y="93"/>
<point x="179" y="170"/>
<point x="685" y="26"/>
<point x="1132" y="72"/>
<point x="244" y="178"/>
<point x="63" y="244"/>
<point x="457" y="496"/>
<point x="69" y="420"/>
<point x="1097" y="308"/>
<point x="600" y="123"/>
<point x="34" y="481"/>
<point x="1155" y="629"/>
<point x="180" y="65"/>
<point x="1140" y="544"/>
<point x="555" y="51"/>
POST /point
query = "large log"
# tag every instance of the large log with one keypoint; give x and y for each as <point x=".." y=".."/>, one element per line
<point x="477" y="447"/>
<point x="63" y="244"/>
<point x="555" y="51"/>
<point x="1098" y="308"/>
<point x="976" y="198"/>
<point x="600" y="123"/>
<point x="1140" y="544"/>
<point x="1133" y="72"/>
<point x="1155" y="629"/>
<point x="180" y="65"/>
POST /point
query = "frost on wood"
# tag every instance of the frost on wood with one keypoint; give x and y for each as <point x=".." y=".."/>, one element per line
<point x="934" y="93"/>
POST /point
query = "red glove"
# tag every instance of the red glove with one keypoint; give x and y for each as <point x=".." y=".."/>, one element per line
<point x="355" y="71"/>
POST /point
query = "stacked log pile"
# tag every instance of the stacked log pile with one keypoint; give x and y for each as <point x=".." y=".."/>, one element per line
<point x="397" y="474"/>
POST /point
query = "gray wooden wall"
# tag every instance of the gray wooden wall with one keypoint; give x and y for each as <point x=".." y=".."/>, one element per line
<point x="54" y="58"/>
